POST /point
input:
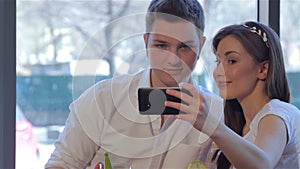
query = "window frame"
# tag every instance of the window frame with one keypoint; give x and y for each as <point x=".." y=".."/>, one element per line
<point x="269" y="13"/>
<point x="7" y="83"/>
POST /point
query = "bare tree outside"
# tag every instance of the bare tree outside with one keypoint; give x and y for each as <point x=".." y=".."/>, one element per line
<point x="56" y="31"/>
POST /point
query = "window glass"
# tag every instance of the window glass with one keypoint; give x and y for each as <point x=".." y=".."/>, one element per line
<point x="64" y="47"/>
<point x="290" y="39"/>
<point x="218" y="15"/>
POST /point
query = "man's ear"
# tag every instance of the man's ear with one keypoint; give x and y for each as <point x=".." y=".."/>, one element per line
<point x="203" y="40"/>
<point x="146" y="39"/>
<point x="263" y="70"/>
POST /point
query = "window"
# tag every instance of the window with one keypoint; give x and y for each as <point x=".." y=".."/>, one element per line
<point x="218" y="15"/>
<point x="290" y="40"/>
<point x="64" y="47"/>
<point x="53" y="35"/>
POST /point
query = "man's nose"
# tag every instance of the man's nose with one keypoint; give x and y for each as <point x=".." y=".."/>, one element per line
<point x="174" y="58"/>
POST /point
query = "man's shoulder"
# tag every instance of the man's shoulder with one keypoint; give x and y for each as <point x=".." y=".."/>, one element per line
<point x="121" y="80"/>
<point x="116" y="83"/>
<point x="110" y="87"/>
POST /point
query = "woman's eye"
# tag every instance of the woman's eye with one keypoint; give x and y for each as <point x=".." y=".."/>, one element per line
<point x="231" y="61"/>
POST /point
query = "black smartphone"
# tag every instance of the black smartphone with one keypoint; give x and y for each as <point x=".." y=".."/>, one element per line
<point x="151" y="101"/>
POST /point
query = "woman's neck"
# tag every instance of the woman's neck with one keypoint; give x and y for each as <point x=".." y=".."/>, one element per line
<point x="252" y="104"/>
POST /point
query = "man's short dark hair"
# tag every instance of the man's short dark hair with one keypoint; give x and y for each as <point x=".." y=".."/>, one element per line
<point x="189" y="10"/>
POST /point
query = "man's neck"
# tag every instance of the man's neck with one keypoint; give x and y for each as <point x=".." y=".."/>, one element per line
<point x="163" y="119"/>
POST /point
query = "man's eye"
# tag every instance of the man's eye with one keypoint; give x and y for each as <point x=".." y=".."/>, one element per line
<point x="184" y="46"/>
<point x="161" y="46"/>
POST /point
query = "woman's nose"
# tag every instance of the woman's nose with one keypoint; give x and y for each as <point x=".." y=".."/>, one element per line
<point x="219" y="70"/>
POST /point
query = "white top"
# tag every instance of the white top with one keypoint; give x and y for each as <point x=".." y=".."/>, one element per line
<point x="291" y="116"/>
<point x="105" y="118"/>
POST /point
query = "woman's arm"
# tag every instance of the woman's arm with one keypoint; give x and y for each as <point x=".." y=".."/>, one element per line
<point x="264" y="153"/>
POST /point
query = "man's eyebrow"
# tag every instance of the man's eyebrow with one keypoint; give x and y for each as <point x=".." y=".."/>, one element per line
<point x="159" y="41"/>
<point x="188" y="42"/>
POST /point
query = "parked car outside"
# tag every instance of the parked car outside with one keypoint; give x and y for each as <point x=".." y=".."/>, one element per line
<point x="27" y="144"/>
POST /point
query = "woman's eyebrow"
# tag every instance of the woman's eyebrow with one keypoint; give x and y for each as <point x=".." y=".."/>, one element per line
<point x="230" y="52"/>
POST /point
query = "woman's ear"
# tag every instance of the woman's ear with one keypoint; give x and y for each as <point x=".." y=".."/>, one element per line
<point x="263" y="70"/>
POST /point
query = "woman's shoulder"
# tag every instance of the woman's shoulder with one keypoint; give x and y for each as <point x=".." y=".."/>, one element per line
<point x="278" y="106"/>
<point x="289" y="113"/>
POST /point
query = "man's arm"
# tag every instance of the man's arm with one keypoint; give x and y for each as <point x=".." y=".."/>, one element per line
<point x="73" y="149"/>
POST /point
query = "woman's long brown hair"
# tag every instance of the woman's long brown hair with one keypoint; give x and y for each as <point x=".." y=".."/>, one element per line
<point x="276" y="81"/>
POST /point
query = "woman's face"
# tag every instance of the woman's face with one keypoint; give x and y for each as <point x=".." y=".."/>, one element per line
<point x="173" y="49"/>
<point x="236" y="73"/>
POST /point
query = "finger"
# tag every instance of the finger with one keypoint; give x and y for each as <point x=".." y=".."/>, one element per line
<point x="198" y="100"/>
<point x="176" y="93"/>
<point x="185" y="96"/>
<point x="187" y="117"/>
<point x="189" y="113"/>
<point x="193" y="90"/>
<point x="184" y="108"/>
<point x="195" y="102"/>
<point x="174" y="105"/>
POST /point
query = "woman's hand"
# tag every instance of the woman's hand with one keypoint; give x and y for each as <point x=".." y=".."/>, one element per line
<point x="193" y="105"/>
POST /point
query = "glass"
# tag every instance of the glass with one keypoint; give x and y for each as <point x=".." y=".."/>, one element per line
<point x="220" y="14"/>
<point x="290" y="40"/>
<point x="114" y="166"/>
<point x="211" y="161"/>
<point x="121" y="166"/>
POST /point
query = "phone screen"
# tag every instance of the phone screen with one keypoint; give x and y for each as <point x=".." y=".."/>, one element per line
<point x="151" y="101"/>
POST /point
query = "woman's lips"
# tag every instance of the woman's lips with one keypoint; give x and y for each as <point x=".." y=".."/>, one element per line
<point x="223" y="83"/>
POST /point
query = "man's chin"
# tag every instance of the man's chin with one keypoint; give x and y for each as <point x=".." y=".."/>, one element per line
<point x="172" y="80"/>
<point x="175" y="82"/>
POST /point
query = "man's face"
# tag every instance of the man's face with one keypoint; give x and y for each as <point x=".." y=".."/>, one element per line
<point x="173" y="49"/>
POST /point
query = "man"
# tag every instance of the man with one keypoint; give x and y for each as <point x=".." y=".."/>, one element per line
<point x="106" y="118"/>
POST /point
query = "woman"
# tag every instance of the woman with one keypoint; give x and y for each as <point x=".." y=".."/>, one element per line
<point x="262" y="129"/>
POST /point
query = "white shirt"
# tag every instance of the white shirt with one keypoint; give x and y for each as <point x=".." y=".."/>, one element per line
<point x="105" y="118"/>
<point x="291" y="117"/>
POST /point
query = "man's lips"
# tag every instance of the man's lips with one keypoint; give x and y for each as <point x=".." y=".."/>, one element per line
<point x="173" y="71"/>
